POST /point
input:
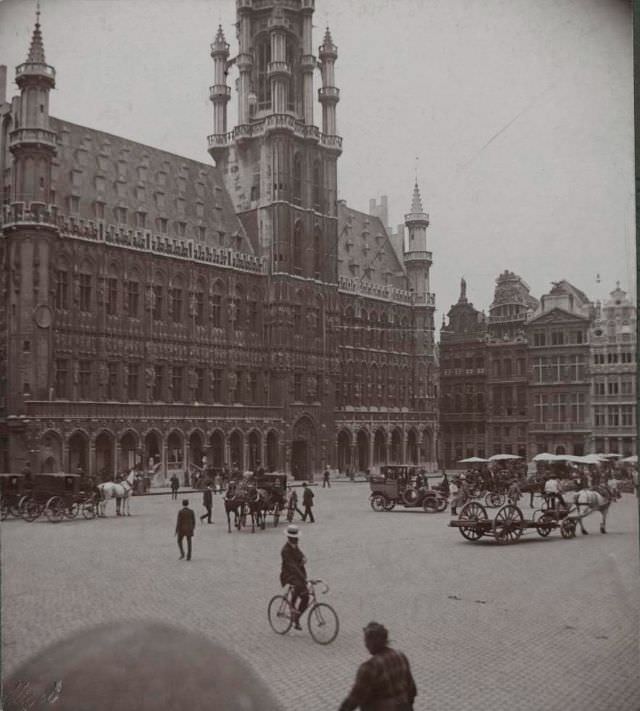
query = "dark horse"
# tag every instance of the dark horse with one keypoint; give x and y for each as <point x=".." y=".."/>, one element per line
<point x="242" y="501"/>
<point x="233" y="502"/>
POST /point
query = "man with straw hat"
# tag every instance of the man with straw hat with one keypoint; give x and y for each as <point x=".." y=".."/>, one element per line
<point x="293" y="572"/>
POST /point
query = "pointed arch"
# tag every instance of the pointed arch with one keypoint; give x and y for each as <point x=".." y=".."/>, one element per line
<point x="317" y="252"/>
<point x="298" y="246"/>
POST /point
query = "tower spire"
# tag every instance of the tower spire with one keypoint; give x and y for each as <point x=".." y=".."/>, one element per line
<point x="36" y="50"/>
<point x="416" y="202"/>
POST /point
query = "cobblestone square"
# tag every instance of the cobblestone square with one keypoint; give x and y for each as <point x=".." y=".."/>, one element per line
<point x="542" y="624"/>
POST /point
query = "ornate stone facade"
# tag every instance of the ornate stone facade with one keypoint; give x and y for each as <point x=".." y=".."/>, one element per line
<point x="169" y="312"/>
<point x="613" y="375"/>
<point x="463" y="382"/>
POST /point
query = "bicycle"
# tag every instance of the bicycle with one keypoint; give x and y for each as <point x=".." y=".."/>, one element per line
<point x="322" y="619"/>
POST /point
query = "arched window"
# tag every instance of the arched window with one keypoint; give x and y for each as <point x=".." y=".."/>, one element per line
<point x="263" y="58"/>
<point x="317" y="253"/>
<point x="317" y="185"/>
<point x="298" y="237"/>
<point x="297" y="179"/>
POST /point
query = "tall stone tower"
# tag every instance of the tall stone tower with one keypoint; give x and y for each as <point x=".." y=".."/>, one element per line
<point x="280" y="170"/>
<point x="279" y="167"/>
<point x="30" y="233"/>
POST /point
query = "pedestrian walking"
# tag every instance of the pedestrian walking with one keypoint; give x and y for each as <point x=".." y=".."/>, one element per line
<point x="307" y="503"/>
<point x="175" y="485"/>
<point x="325" y="478"/>
<point x="384" y="682"/>
<point x="292" y="506"/>
<point x="185" y="528"/>
<point x="514" y="492"/>
<point x="460" y="495"/>
<point x="207" y="502"/>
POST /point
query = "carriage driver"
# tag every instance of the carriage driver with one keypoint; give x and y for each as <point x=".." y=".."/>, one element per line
<point x="293" y="573"/>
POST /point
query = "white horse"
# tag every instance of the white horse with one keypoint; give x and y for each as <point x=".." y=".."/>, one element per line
<point x="589" y="500"/>
<point x="120" y="491"/>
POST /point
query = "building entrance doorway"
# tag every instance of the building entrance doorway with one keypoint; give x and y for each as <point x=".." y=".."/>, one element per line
<point x="300" y="459"/>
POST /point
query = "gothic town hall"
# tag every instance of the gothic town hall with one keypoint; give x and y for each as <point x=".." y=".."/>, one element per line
<point x="162" y="311"/>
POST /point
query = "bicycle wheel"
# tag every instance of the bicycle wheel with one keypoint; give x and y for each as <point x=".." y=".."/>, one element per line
<point x="279" y="612"/>
<point x="323" y="623"/>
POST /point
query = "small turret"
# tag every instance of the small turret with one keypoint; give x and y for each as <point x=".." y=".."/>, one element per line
<point x="32" y="142"/>
<point x="416" y="257"/>
<point x="220" y="93"/>
<point x="328" y="95"/>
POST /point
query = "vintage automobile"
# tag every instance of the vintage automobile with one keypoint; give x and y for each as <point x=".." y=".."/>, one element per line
<point x="405" y="485"/>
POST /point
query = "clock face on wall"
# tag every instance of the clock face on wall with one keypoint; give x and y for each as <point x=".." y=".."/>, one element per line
<point x="42" y="316"/>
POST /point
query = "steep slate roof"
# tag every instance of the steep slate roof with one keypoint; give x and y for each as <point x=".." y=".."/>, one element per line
<point x="97" y="166"/>
<point x="363" y="242"/>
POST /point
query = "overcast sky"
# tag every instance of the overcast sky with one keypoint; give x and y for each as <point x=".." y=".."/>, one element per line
<point x="520" y="114"/>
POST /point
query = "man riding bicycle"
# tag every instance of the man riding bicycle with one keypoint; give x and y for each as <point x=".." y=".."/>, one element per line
<point x="293" y="573"/>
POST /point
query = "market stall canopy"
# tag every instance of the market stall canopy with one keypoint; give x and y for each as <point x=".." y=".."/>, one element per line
<point x="633" y="459"/>
<point x="545" y="457"/>
<point x="503" y="457"/>
<point x="610" y="455"/>
<point x="472" y="460"/>
<point x="593" y="459"/>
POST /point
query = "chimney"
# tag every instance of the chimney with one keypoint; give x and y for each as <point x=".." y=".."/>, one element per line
<point x="3" y="83"/>
<point x="372" y="206"/>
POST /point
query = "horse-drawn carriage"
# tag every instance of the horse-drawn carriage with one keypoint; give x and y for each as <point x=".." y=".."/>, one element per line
<point x="12" y="491"/>
<point x="58" y="496"/>
<point x="256" y="497"/>
<point x="407" y="486"/>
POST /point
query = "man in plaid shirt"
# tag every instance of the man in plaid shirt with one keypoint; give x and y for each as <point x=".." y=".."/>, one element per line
<point x="384" y="682"/>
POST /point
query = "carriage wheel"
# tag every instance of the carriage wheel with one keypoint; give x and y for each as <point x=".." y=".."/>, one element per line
<point x="4" y="510"/>
<point x="323" y="623"/>
<point x="89" y="510"/>
<point x="507" y="525"/>
<point x="73" y="510"/>
<point x="442" y="504"/>
<point x="276" y="515"/>
<point x="14" y="508"/>
<point x="493" y="499"/>
<point x="55" y="509"/>
<point x="568" y="528"/>
<point x="474" y="513"/>
<point x="430" y="504"/>
<point x="279" y="612"/>
<point x="31" y="509"/>
<point x="545" y="524"/>
<point x="378" y="502"/>
<point x="389" y="504"/>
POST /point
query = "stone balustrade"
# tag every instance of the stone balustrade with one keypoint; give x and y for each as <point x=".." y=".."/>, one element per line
<point x="23" y="214"/>
<point x="274" y="122"/>
<point x="41" y="136"/>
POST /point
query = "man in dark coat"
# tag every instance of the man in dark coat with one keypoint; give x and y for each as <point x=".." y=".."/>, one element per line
<point x="185" y="528"/>
<point x="175" y="485"/>
<point x="384" y="681"/>
<point x="307" y="502"/>
<point x="294" y="573"/>
<point x="207" y="502"/>
<point x="326" y="481"/>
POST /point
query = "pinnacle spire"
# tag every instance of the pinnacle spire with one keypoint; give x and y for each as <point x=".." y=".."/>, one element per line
<point x="220" y="38"/>
<point x="416" y="202"/>
<point x="36" y="50"/>
<point x="328" y="40"/>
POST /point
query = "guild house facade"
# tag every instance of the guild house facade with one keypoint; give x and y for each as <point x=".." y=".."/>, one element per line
<point x="172" y="313"/>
